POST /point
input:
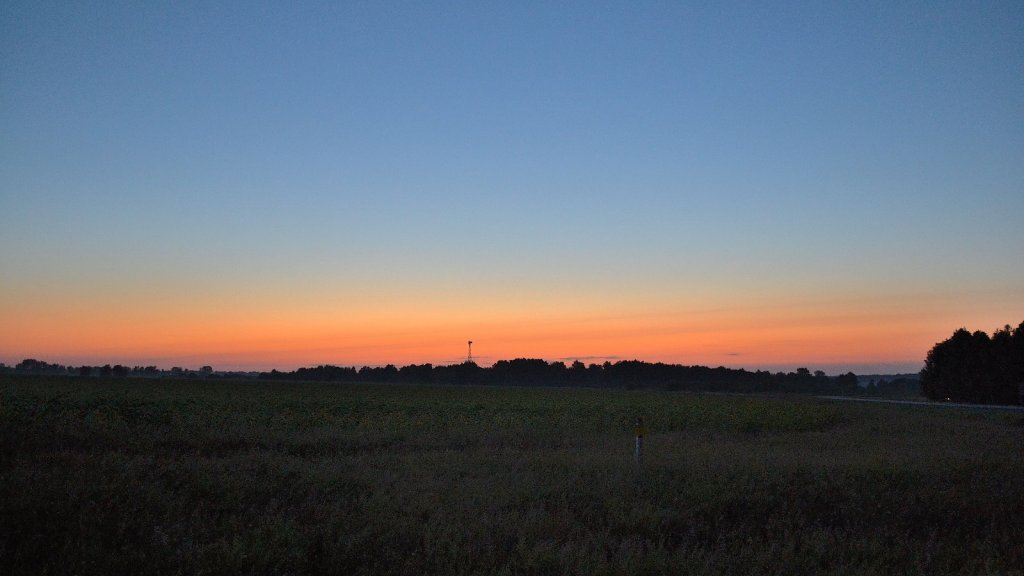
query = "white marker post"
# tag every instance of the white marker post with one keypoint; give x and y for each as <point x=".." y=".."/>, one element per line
<point x="640" y="430"/>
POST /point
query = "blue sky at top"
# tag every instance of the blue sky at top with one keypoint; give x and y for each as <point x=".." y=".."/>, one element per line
<point x="636" y="150"/>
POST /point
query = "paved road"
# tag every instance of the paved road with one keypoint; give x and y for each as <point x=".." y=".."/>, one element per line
<point x="932" y="404"/>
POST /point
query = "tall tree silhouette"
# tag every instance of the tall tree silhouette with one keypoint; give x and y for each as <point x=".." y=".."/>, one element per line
<point x="972" y="367"/>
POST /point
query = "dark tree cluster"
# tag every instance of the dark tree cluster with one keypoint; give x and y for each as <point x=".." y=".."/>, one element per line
<point x="895" y="388"/>
<point x="973" y="367"/>
<point x="624" y="374"/>
<point x="39" y="367"/>
<point x="33" y="366"/>
<point x="629" y="374"/>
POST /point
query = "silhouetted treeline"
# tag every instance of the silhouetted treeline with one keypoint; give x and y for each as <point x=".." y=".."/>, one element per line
<point x="623" y="374"/>
<point x="895" y="388"/>
<point x="976" y="368"/>
<point x="630" y="374"/>
<point x="33" y="366"/>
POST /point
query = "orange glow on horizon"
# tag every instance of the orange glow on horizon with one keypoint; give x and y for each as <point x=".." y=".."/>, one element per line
<point x="249" y="333"/>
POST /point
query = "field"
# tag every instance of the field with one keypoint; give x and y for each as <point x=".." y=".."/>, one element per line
<point x="189" y="477"/>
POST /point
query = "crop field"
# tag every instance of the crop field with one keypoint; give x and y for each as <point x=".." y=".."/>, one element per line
<point x="117" y="476"/>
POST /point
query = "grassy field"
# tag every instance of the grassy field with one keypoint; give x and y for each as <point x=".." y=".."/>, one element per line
<point x="190" y="477"/>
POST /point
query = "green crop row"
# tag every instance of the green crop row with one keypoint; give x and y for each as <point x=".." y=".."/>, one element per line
<point x="191" y="477"/>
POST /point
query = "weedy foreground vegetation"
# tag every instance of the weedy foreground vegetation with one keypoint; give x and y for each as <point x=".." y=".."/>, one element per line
<point x="111" y="476"/>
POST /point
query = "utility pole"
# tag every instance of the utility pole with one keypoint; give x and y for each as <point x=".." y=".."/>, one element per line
<point x="638" y="448"/>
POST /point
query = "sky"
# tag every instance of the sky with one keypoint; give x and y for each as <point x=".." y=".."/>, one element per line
<point x="760" y="185"/>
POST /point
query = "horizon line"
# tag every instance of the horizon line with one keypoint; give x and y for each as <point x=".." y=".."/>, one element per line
<point x="867" y="368"/>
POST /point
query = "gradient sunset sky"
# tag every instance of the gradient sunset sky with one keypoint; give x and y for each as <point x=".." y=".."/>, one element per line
<point x="762" y="185"/>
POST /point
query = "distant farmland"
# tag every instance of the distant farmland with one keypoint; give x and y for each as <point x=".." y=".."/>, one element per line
<point x="102" y="476"/>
